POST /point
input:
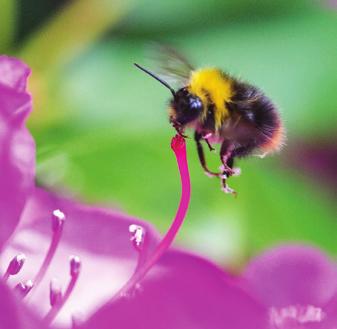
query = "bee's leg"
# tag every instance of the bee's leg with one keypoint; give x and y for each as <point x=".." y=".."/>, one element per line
<point x="227" y="159"/>
<point x="211" y="148"/>
<point x="198" y="138"/>
<point x="206" y="139"/>
<point x="228" y="153"/>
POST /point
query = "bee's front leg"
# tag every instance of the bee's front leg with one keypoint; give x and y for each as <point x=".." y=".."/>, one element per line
<point x="211" y="148"/>
<point x="198" y="137"/>
<point x="206" y="139"/>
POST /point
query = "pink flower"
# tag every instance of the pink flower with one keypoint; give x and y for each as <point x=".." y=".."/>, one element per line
<point x="107" y="267"/>
<point x="101" y="269"/>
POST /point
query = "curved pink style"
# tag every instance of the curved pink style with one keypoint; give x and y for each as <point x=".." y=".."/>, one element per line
<point x="178" y="146"/>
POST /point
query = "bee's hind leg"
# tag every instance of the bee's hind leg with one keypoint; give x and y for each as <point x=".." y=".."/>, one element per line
<point x="228" y="153"/>
<point x="201" y="154"/>
<point x="227" y="159"/>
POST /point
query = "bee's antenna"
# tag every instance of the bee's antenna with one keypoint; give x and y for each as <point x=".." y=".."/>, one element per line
<point x="157" y="78"/>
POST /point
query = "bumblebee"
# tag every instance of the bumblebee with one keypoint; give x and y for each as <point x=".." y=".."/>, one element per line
<point x="221" y="110"/>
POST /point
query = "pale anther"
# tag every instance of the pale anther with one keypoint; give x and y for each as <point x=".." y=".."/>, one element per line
<point x="137" y="235"/>
<point x="58" y="218"/>
<point x="75" y="265"/>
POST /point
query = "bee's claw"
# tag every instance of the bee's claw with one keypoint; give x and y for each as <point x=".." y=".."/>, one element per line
<point x="211" y="148"/>
<point x="179" y="129"/>
<point x="224" y="186"/>
<point x="228" y="172"/>
<point x="226" y="189"/>
<point x="236" y="171"/>
<point x="183" y="135"/>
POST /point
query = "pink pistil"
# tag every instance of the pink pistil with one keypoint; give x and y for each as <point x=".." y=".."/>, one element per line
<point x="14" y="266"/>
<point x="58" y="219"/>
<point x="178" y="146"/>
<point x="75" y="268"/>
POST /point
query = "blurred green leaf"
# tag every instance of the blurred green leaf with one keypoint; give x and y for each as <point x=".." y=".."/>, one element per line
<point x="8" y="16"/>
<point x="70" y="31"/>
<point x="149" y="17"/>
<point x="32" y="14"/>
<point x="283" y="207"/>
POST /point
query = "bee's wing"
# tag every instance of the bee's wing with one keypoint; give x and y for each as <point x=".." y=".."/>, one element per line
<point x="170" y="65"/>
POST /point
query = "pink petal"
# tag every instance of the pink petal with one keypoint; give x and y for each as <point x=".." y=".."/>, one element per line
<point x="13" y="73"/>
<point x="101" y="239"/>
<point x="17" y="148"/>
<point x="330" y="310"/>
<point x="182" y="292"/>
<point x="292" y="275"/>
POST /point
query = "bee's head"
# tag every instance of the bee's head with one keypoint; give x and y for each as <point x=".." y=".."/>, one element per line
<point x="184" y="107"/>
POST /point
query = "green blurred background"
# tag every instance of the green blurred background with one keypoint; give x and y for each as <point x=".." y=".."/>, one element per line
<point x="101" y="125"/>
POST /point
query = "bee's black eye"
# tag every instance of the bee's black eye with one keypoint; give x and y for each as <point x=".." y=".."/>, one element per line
<point x="195" y="103"/>
<point x="186" y="107"/>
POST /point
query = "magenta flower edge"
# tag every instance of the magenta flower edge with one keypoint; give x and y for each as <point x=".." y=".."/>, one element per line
<point x="17" y="148"/>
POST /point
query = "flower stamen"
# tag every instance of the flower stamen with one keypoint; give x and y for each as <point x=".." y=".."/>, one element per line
<point x="137" y="236"/>
<point x="14" y="266"/>
<point x="301" y="314"/>
<point x="75" y="269"/>
<point x="139" y="241"/>
<point x="23" y="288"/>
<point x="55" y="292"/>
<point x="57" y="223"/>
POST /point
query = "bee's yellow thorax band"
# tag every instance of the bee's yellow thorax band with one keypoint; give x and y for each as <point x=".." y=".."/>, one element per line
<point x="211" y="85"/>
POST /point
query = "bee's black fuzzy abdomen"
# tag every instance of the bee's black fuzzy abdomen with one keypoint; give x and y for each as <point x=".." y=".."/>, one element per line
<point x="256" y="111"/>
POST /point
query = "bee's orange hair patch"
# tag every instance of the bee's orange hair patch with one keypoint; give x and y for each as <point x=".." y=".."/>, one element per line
<point x="276" y="142"/>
